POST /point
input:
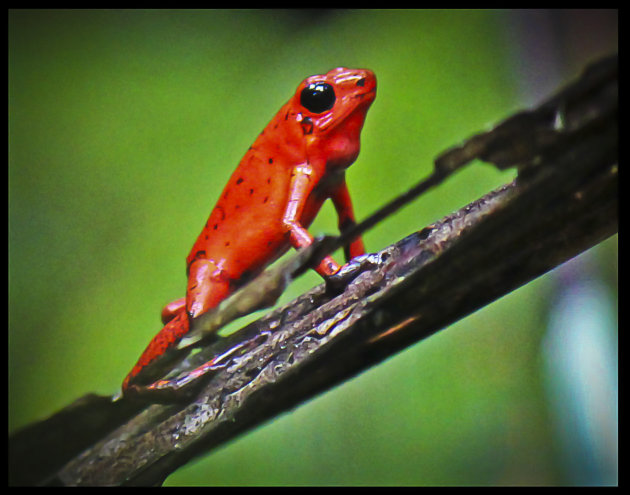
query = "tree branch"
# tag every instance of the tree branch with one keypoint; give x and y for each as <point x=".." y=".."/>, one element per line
<point x="563" y="202"/>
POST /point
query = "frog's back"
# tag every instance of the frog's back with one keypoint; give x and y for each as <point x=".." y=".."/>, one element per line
<point x="244" y="231"/>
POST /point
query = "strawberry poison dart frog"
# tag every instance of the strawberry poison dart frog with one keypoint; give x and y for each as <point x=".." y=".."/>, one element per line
<point x="296" y="163"/>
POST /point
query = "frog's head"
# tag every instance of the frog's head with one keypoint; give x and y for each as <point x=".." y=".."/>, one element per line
<point x="332" y="109"/>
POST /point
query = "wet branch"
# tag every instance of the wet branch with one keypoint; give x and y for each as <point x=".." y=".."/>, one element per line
<point x="563" y="202"/>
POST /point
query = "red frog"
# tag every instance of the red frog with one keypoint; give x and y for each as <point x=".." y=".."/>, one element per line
<point x="296" y="163"/>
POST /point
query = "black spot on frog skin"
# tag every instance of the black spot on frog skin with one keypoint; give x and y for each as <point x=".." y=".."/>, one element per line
<point x="270" y="161"/>
<point x="307" y="125"/>
<point x="239" y="181"/>
<point x="221" y="212"/>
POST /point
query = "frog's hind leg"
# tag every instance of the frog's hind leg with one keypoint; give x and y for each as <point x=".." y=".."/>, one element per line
<point x="208" y="285"/>
<point x="170" y="334"/>
<point x="172" y="309"/>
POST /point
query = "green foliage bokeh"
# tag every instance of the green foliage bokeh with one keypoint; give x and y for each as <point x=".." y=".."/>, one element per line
<point x="124" y="127"/>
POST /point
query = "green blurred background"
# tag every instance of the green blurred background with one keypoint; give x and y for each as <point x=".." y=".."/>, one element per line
<point x="125" y="125"/>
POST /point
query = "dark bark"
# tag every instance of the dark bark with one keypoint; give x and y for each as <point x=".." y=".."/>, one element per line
<point x="563" y="202"/>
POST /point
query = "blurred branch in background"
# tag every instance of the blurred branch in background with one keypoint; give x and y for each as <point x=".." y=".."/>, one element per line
<point x="563" y="202"/>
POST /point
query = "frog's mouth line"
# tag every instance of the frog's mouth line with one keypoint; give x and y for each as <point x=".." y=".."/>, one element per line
<point x="360" y="105"/>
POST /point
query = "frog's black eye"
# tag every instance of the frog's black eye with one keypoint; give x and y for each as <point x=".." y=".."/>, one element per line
<point x="318" y="97"/>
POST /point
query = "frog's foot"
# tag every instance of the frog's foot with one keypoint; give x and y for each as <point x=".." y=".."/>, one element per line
<point x="337" y="282"/>
<point x="185" y="385"/>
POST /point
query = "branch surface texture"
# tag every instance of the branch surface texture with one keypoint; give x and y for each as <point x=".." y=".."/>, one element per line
<point x="563" y="202"/>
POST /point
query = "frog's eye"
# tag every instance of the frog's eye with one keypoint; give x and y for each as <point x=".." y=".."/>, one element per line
<point x="318" y="97"/>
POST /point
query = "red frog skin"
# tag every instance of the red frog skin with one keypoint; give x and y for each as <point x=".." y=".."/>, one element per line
<point x="297" y="162"/>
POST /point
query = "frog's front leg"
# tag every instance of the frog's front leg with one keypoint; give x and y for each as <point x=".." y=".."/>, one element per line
<point x="343" y="205"/>
<point x="302" y="184"/>
<point x="356" y="259"/>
